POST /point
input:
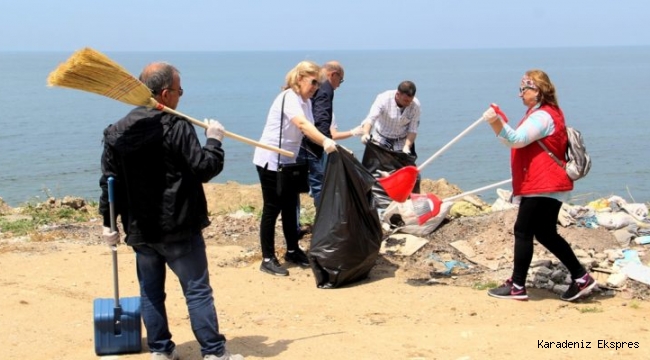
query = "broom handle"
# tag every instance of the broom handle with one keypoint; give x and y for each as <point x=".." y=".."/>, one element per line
<point x="227" y="133"/>
<point x="429" y="160"/>
<point x="455" y="197"/>
<point x="111" y="207"/>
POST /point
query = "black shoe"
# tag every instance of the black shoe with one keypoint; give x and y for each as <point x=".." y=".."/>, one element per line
<point x="273" y="267"/>
<point x="297" y="257"/>
<point x="509" y="291"/>
<point x="579" y="289"/>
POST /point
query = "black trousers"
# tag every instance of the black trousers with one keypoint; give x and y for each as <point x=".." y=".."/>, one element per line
<point x="274" y="205"/>
<point x="537" y="218"/>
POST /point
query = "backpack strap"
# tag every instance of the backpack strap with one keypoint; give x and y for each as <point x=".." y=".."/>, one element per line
<point x="281" y="120"/>
<point x="557" y="161"/>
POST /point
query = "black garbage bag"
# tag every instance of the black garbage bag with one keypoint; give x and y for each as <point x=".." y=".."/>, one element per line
<point x="347" y="234"/>
<point x="376" y="157"/>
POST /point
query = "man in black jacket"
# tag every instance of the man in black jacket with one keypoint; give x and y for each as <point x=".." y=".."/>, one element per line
<point x="159" y="169"/>
<point x="332" y="74"/>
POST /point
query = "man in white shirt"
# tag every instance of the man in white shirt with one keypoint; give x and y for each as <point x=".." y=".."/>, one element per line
<point x="393" y="119"/>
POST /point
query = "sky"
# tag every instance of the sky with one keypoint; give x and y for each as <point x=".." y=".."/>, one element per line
<point x="273" y="25"/>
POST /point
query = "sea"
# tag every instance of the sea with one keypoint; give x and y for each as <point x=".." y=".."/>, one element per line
<point x="51" y="138"/>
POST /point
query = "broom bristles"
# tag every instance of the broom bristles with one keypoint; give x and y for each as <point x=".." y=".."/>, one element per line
<point x="92" y="71"/>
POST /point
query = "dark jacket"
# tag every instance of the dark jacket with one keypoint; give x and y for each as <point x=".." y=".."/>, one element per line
<point x="159" y="168"/>
<point x="322" y="109"/>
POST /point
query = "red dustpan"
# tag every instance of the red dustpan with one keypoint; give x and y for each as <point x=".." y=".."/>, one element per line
<point x="399" y="184"/>
<point x="427" y="206"/>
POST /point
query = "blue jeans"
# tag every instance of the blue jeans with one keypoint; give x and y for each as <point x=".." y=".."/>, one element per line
<point x="316" y="173"/>
<point x="187" y="259"/>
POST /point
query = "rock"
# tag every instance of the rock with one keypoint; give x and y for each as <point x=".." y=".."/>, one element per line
<point x="616" y="280"/>
<point x="543" y="271"/>
<point x="613" y="255"/>
<point x="599" y="256"/>
<point x="544" y="263"/>
<point x="558" y="276"/>
<point x="581" y="253"/>
<point x="73" y="202"/>
<point x="587" y="262"/>
<point x="623" y="237"/>
<point x="464" y="247"/>
<point x="560" y="289"/>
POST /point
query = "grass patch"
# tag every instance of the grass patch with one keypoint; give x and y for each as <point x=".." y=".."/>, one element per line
<point x="307" y="215"/>
<point x="635" y="304"/>
<point x="590" y="309"/>
<point x="485" y="285"/>
<point x="248" y="209"/>
<point x="39" y="215"/>
<point x="18" y="227"/>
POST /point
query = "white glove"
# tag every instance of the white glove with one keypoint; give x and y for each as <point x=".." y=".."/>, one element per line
<point x="365" y="138"/>
<point x="329" y="145"/>
<point x="215" y="130"/>
<point x="383" y="173"/>
<point x="406" y="149"/>
<point x="110" y="237"/>
<point x="357" y="131"/>
<point x="490" y="116"/>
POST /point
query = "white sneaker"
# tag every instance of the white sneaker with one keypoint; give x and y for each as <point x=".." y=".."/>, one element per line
<point x="226" y="356"/>
<point x="165" y="356"/>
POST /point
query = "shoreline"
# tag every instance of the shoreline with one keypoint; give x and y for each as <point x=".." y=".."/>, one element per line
<point x="576" y="197"/>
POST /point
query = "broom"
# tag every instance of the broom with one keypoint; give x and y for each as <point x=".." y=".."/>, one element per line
<point x="91" y="71"/>
<point x="428" y="205"/>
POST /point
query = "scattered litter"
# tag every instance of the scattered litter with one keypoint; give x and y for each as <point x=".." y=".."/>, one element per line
<point x="449" y="265"/>
<point x="631" y="266"/>
<point x="642" y="240"/>
<point x="402" y="244"/>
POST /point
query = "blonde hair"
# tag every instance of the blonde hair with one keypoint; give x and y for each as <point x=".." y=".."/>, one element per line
<point x="545" y="87"/>
<point x="304" y="68"/>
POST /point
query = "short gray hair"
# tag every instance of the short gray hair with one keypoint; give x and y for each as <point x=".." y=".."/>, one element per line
<point x="158" y="76"/>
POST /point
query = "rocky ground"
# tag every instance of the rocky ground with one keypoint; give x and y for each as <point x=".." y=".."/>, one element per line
<point x="479" y="246"/>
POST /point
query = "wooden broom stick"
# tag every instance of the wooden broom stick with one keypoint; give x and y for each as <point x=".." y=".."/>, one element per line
<point x="91" y="71"/>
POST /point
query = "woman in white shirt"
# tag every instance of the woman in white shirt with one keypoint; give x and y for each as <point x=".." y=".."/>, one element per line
<point x="294" y="104"/>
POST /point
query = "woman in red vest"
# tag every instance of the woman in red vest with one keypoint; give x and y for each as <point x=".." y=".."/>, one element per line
<point x="539" y="184"/>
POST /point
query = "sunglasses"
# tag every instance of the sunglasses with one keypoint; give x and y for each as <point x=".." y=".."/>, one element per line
<point x="523" y="89"/>
<point x="315" y="82"/>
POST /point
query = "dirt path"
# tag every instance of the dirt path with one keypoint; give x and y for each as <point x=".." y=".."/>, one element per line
<point x="49" y="288"/>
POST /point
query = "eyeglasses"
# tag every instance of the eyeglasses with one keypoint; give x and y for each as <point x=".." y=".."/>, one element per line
<point x="180" y="90"/>
<point x="314" y="82"/>
<point x="340" y="76"/>
<point x="523" y="89"/>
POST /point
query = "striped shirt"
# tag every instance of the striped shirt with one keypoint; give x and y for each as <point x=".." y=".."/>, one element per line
<point x="391" y="122"/>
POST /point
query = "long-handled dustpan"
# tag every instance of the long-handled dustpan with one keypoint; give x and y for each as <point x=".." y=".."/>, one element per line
<point x="118" y="328"/>
<point x="427" y="206"/>
<point x="399" y="184"/>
